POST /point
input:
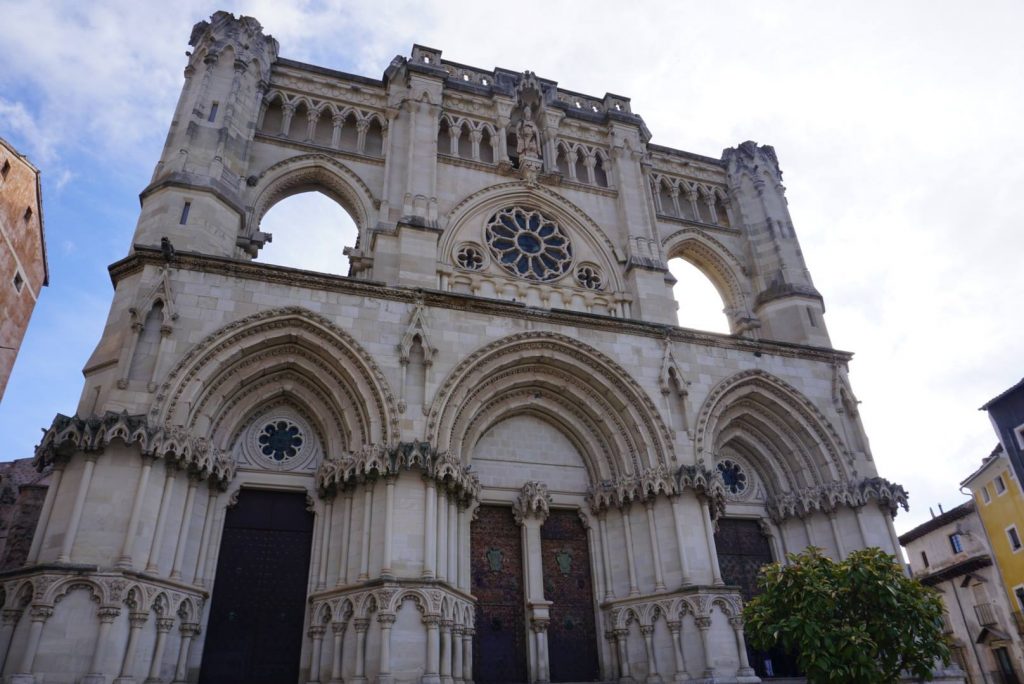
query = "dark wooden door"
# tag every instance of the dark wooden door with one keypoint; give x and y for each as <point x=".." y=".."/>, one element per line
<point x="254" y="634"/>
<point x="572" y="635"/>
<point x="742" y="550"/>
<point x="499" y="645"/>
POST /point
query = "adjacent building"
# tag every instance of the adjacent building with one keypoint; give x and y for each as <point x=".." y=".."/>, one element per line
<point x="488" y="454"/>
<point x="1006" y="412"/>
<point x="23" y="269"/>
<point x="951" y="553"/>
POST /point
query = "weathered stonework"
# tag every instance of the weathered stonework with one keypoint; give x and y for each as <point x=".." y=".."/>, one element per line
<point x="506" y="338"/>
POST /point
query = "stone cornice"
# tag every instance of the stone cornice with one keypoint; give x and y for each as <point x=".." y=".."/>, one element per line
<point x="247" y="270"/>
<point x="827" y="498"/>
<point x="653" y="482"/>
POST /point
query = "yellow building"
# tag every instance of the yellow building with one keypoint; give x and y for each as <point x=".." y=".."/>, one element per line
<point x="1000" y="501"/>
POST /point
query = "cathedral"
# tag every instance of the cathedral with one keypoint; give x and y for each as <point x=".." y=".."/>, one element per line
<point x="487" y="454"/>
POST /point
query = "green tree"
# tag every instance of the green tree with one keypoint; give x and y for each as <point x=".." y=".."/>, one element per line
<point x="860" y="620"/>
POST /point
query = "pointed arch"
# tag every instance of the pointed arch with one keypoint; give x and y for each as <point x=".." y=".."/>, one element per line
<point x="290" y="351"/>
<point x="311" y="172"/>
<point x="594" y="400"/>
<point x="719" y="265"/>
<point x="767" y="419"/>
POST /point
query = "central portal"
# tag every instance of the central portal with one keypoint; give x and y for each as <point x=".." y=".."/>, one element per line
<point x="497" y="584"/>
<point x="259" y="595"/>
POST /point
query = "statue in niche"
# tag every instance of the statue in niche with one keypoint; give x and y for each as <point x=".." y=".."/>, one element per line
<point x="527" y="135"/>
<point x="494" y="559"/>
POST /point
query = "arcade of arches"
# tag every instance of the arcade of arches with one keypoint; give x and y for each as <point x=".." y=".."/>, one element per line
<point x="487" y="453"/>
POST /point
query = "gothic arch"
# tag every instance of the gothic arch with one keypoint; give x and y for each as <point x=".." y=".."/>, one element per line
<point x="611" y="414"/>
<point x="311" y="172"/>
<point x="479" y="206"/>
<point x="764" y="410"/>
<point x="716" y="262"/>
<point x="223" y="378"/>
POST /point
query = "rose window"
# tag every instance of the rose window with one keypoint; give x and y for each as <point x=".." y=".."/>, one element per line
<point x="469" y="257"/>
<point x="280" y="440"/>
<point x="733" y="476"/>
<point x="528" y="244"/>
<point x="589" y="276"/>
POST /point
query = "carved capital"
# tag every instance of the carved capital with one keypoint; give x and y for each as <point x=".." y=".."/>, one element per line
<point x="431" y="621"/>
<point x="189" y="629"/>
<point x="386" y="620"/>
<point x="703" y="623"/>
<point x="11" y="615"/>
<point x="539" y="625"/>
<point x="316" y="631"/>
<point x="361" y="624"/>
<point x="674" y="626"/>
<point x="339" y="627"/>
<point x="164" y="624"/>
<point x="736" y="622"/>
<point x="108" y="613"/>
<point x="533" y="501"/>
<point x="647" y="630"/>
<point x="41" y="613"/>
<point x="137" y="619"/>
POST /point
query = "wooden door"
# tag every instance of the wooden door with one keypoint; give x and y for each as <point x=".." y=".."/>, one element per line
<point x="254" y="634"/>
<point x="499" y="644"/>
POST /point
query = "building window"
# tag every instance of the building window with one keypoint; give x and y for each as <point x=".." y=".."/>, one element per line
<point x="956" y="543"/>
<point x="184" y="213"/>
<point x="1019" y="431"/>
<point x="1011" y="534"/>
<point x="1000" y="485"/>
<point x="528" y="244"/>
<point x="985" y="496"/>
<point x="213" y="112"/>
<point x="280" y="440"/>
<point x="19" y="282"/>
<point x="5" y="169"/>
<point x="28" y="214"/>
<point x="924" y="558"/>
<point x="1018" y="593"/>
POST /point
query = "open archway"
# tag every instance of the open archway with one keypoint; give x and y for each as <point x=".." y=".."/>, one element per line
<point x="310" y="231"/>
<point x="701" y="307"/>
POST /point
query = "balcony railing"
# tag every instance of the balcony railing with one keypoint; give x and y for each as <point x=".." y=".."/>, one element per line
<point x="986" y="614"/>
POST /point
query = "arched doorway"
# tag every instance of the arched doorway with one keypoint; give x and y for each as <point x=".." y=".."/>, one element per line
<point x="254" y="632"/>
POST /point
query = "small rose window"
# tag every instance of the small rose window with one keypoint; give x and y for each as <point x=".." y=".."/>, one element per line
<point x="280" y="440"/>
<point x="589" y="276"/>
<point x="733" y="476"/>
<point x="528" y="244"/>
<point x="469" y="257"/>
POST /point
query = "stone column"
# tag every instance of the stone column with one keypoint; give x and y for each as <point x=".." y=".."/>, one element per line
<point x="337" y="121"/>
<point x="325" y="541"/>
<point x="10" y="617"/>
<point x="453" y="541"/>
<point x="153" y="565"/>
<point x="602" y="526"/>
<point x="312" y="116"/>
<point x="462" y="538"/>
<point x="107" y="615"/>
<point x="634" y="589"/>
<point x="709" y="536"/>
<point x="457" y="633"/>
<point x="136" y="621"/>
<point x="676" y="627"/>
<point x="429" y="528"/>
<point x="446" y="652"/>
<point x="703" y="625"/>
<point x="338" y="629"/>
<point x="186" y="523"/>
<point x="39" y="615"/>
<point x="809" y="530"/>
<point x="653" y="677"/>
<point x="125" y="560"/>
<point x="76" y="511"/>
<point x="204" y="539"/>
<point x="430" y="671"/>
<point x="442" y="534"/>
<point x="858" y="514"/>
<point x="316" y="633"/>
<point x="44" y="515"/>
<point x="389" y="526"/>
<point x="680" y="541"/>
<point x="387" y="621"/>
<point x="346" y="533"/>
<point x="287" y="112"/>
<point x="467" y="655"/>
<point x="364" y="554"/>
<point x="361" y="127"/>
<point x="741" y="647"/>
<point x="840" y="549"/>
<point x="188" y="632"/>
<point x="620" y="642"/>
<point x="540" y="636"/>
<point x="163" y="626"/>
<point x="361" y="625"/>
<point x="659" y="577"/>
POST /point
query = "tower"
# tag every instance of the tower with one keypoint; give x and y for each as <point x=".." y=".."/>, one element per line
<point x="486" y="453"/>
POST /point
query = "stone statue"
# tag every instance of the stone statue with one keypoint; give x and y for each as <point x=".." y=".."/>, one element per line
<point x="527" y="136"/>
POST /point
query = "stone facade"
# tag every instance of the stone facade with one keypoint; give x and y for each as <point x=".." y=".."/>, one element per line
<point x="505" y="342"/>
<point x="23" y="271"/>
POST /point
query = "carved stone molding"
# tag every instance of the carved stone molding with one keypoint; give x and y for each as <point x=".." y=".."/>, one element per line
<point x="533" y="501"/>
<point x="826" y="498"/>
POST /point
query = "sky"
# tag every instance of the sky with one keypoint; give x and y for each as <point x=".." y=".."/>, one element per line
<point x="898" y="127"/>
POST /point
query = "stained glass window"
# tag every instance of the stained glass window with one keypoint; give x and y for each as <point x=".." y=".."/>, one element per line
<point x="528" y="244"/>
<point x="280" y="440"/>
<point x="733" y="476"/>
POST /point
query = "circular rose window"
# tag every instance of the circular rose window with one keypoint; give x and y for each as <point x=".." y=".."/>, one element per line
<point x="280" y="440"/>
<point x="528" y="244"/>
<point x="733" y="476"/>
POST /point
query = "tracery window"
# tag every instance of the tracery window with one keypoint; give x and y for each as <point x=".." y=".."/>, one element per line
<point x="528" y="244"/>
<point x="280" y="440"/>
<point x="589" y="276"/>
<point x="733" y="476"/>
<point x="469" y="257"/>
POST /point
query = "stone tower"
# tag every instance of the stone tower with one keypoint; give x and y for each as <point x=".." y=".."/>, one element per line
<point x="488" y="453"/>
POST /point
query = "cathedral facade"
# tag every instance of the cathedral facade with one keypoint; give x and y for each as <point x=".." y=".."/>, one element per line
<point x="488" y="454"/>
